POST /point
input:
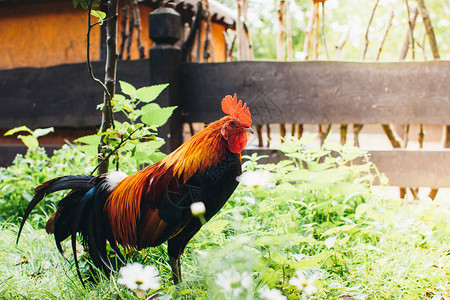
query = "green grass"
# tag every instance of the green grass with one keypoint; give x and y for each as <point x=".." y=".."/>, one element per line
<point x="322" y="220"/>
<point x="400" y="252"/>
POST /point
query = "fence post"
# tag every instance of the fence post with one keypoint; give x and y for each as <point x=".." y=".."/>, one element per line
<point x="165" y="60"/>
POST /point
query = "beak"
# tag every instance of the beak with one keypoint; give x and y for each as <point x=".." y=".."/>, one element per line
<point x="249" y="130"/>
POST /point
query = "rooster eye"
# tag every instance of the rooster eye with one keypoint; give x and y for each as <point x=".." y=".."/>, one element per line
<point x="233" y="124"/>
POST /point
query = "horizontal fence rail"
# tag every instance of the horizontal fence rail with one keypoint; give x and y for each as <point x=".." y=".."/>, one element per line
<point x="277" y="92"/>
<point x="321" y="92"/>
<point x="60" y="96"/>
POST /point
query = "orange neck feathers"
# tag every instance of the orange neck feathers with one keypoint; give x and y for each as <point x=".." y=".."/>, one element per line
<point x="203" y="150"/>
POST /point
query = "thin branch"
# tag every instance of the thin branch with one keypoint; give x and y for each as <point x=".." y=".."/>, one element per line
<point x="130" y="34"/>
<point x="106" y="158"/>
<point x="289" y="49"/>
<point x="281" y="33"/>
<point x="308" y="33"/>
<point x="137" y="23"/>
<point x="341" y="43"/>
<point x="322" y="29"/>
<point x="208" y="46"/>
<point x="186" y="48"/>
<point x="392" y="135"/>
<point x="411" y="29"/>
<point x="406" y="136"/>
<point x="88" y="57"/>
<point x="123" y="32"/>
<point x="386" y="30"/>
<point x="429" y="28"/>
<point x="316" y="31"/>
<point x="407" y="39"/>
<point x="366" y="36"/>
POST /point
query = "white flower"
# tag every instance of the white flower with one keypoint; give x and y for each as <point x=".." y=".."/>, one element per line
<point x="250" y="200"/>
<point x="271" y="294"/>
<point x="255" y="178"/>
<point x="330" y="242"/>
<point x="135" y="276"/>
<point x="233" y="282"/>
<point x="304" y="284"/>
<point x="198" y="208"/>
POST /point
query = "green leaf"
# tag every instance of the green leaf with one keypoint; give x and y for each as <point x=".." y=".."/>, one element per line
<point x="149" y="107"/>
<point x="344" y="228"/>
<point x="157" y="117"/>
<point x="127" y="89"/>
<point x="217" y="227"/>
<point x="18" y="129"/>
<point x="365" y="208"/>
<point x="42" y="131"/>
<point x="308" y="139"/>
<point x="99" y="14"/>
<point x="297" y="239"/>
<point x="89" y="139"/>
<point x="268" y="240"/>
<point x="84" y="4"/>
<point x="30" y="141"/>
<point x="89" y="150"/>
<point x="149" y="93"/>
<point x="157" y="156"/>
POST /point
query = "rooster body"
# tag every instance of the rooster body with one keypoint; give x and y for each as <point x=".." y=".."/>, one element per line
<point x="151" y="206"/>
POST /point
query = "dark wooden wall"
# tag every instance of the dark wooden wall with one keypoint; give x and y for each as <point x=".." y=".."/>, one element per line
<point x="60" y="96"/>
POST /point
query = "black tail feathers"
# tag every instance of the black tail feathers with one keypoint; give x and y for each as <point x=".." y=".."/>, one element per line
<point x="80" y="211"/>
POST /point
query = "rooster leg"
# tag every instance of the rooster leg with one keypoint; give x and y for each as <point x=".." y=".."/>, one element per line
<point x="176" y="269"/>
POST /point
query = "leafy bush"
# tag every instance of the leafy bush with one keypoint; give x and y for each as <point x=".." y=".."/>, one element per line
<point x="132" y="143"/>
<point x="18" y="181"/>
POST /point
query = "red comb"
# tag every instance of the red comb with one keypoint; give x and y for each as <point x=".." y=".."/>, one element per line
<point x="231" y="107"/>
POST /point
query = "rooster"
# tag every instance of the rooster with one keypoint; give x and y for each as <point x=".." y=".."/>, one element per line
<point x="151" y="206"/>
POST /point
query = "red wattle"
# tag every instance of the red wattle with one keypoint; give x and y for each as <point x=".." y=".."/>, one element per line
<point x="237" y="143"/>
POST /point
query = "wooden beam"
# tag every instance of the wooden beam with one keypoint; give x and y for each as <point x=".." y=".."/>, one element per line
<point x="412" y="168"/>
<point x="321" y="92"/>
<point x="277" y="92"/>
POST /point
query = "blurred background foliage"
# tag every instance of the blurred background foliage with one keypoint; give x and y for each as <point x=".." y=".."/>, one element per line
<point x="339" y="16"/>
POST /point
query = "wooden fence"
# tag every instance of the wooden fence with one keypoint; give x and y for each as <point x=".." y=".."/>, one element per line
<point x="276" y="92"/>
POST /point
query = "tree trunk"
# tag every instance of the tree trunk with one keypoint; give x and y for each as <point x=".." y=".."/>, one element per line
<point x="408" y="39"/>
<point x="110" y="79"/>
<point x="245" y="48"/>
<point x="429" y="28"/>
<point x="435" y="51"/>
<point x="281" y="45"/>
<point x="289" y="49"/>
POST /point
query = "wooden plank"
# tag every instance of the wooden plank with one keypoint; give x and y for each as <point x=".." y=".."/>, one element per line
<point x="409" y="168"/>
<point x="60" y="96"/>
<point x="321" y="92"/>
<point x="414" y="168"/>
